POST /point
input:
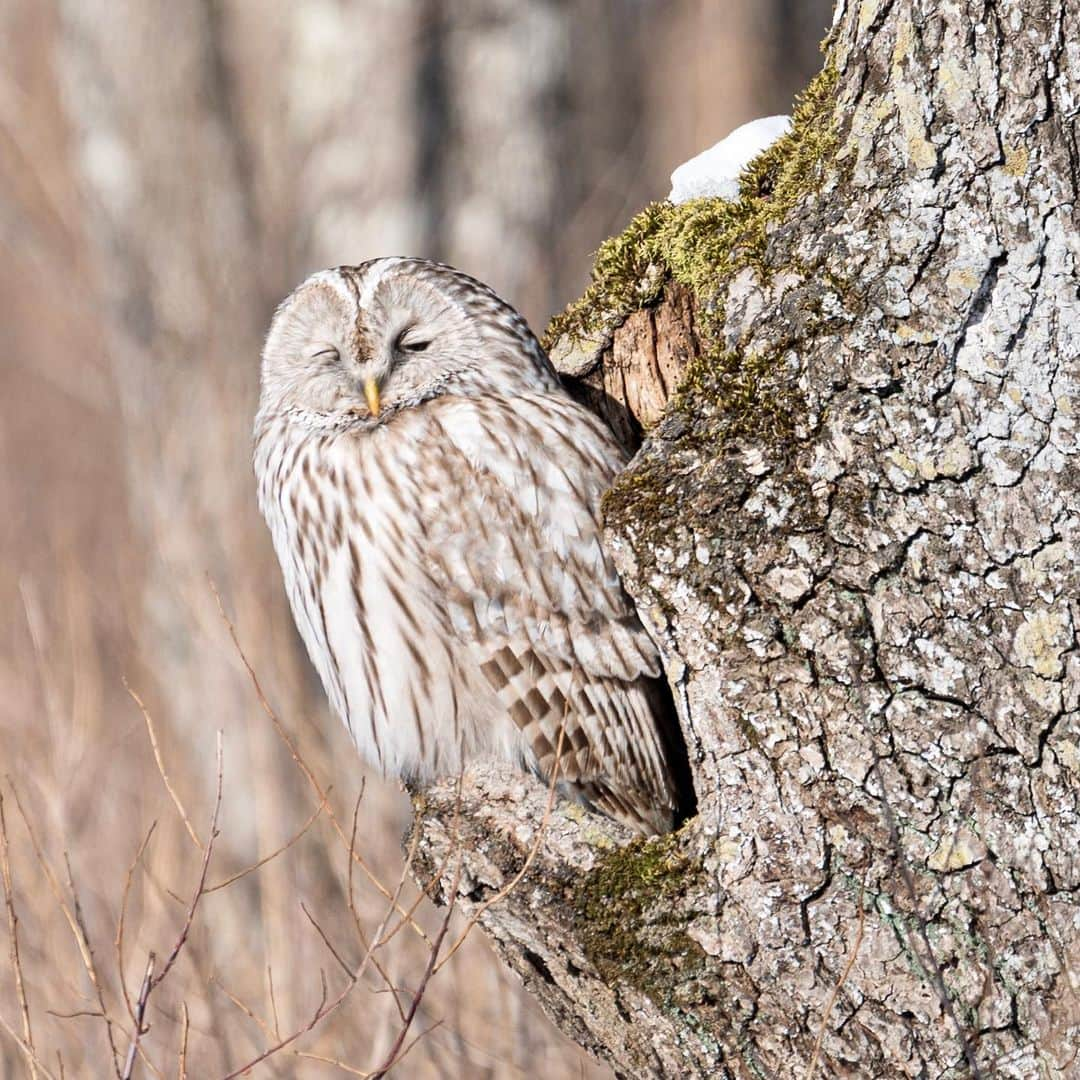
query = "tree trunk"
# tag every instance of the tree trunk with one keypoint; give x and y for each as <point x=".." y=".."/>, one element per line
<point x="855" y="532"/>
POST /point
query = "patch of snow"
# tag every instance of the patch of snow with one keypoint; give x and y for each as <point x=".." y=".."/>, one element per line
<point x="715" y="172"/>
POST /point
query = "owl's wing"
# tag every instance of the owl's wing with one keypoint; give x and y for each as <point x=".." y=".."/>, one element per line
<point x="527" y="588"/>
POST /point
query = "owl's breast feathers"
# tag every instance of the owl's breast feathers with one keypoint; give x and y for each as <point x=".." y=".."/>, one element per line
<point x="447" y="575"/>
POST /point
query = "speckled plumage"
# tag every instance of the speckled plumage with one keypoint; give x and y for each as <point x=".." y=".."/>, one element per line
<point x="443" y="557"/>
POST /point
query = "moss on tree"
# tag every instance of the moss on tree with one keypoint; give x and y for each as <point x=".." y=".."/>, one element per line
<point x="702" y="244"/>
<point x="626" y="912"/>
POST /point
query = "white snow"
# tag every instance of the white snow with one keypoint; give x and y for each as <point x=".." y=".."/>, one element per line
<point x="715" y="172"/>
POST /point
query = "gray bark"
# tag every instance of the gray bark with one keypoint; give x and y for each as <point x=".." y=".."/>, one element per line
<point x="870" y="619"/>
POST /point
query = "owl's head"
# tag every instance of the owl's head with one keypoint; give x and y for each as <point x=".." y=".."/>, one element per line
<point x="356" y="344"/>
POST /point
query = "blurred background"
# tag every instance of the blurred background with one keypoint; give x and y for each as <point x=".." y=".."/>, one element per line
<point x="169" y="170"/>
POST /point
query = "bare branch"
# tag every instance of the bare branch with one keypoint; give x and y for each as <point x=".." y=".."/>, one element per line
<point x="301" y="764"/>
<point x="273" y="1001"/>
<point x="13" y="941"/>
<point x="152" y="981"/>
<point x="349" y="863"/>
<point x="269" y="858"/>
<point x="161" y="767"/>
<point x="326" y="941"/>
<point x="512" y="883"/>
<point x="181" y="1068"/>
<point x="855" y="945"/>
<point x="118" y="941"/>
<point x="28" y="1051"/>
<point x="396" y="1052"/>
<point x="200" y="890"/>
<point x="426" y="889"/>
<point x="245" y="1009"/>
<point x="307" y="1055"/>
<point x="74" y="920"/>
<point x="325" y="1009"/>
<point x="140" y="1014"/>
<point x="83" y="941"/>
<point x="328" y="1006"/>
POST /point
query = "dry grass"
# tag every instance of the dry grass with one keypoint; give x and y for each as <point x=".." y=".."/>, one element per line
<point x="156" y="950"/>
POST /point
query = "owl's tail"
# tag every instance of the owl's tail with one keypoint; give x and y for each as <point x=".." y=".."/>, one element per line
<point x="636" y="810"/>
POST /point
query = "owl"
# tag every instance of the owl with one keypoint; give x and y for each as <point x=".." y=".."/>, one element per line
<point x="433" y="494"/>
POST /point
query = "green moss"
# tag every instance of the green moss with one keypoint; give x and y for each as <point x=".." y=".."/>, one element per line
<point x="641" y="488"/>
<point x="701" y="245"/>
<point x="634" y="929"/>
<point x="747" y="390"/>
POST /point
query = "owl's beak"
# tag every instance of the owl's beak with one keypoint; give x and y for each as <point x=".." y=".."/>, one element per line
<point x="371" y="394"/>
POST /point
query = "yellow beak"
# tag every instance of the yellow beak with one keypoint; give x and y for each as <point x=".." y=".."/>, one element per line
<point x="371" y="393"/>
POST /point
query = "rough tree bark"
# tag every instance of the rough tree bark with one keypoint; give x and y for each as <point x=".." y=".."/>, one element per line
<point x="855" y="531"/>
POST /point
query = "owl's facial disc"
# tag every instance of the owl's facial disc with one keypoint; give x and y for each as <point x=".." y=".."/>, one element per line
<point x="363" y="343"/>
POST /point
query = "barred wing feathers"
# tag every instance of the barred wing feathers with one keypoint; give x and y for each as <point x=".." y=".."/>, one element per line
<point x="530" y="594"/>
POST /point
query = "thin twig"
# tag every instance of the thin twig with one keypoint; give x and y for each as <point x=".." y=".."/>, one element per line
<point x="349" y="870"/>
<point x="856" y="944"/>
<point x="200" y="890"/>
<point x="325" y="1009"/>
<point x="83" y="941"/>
<point x="268" y="858"/>
<point x="433" y="965"/>
<point x="326" y="1006"/>
<point x="435" y="877"/>
<point x="161" y="766"/>
<point x="27" y="1051"/>
<point x="152" y="981"/>
<point x="13" y="941"/>
<point x="349" y="863"/>
<point x="74" y="920"/>
<point x="118" y="941"/>
<point x="245" y="1009"/>
<point x="382" y="938"/>
<point x="301" y="764"/>
<point x="326" y="940"/>
<point x="337" y="1063"/>
<point x="185" y="1023"/>
<point x="506" y="889"/>
<point x="307" y="1055"/>
<point x="273" y="1001"/>
<point x="140" y="1015"/>
<point x="412" y="1042"/>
